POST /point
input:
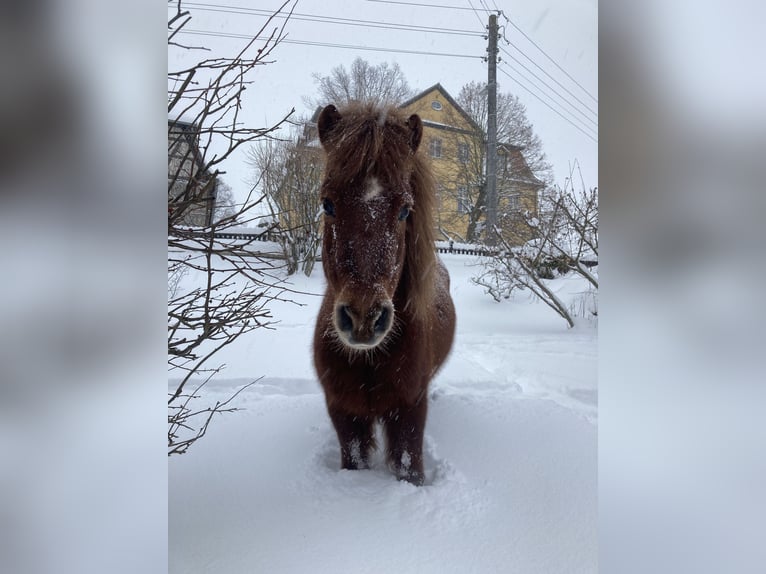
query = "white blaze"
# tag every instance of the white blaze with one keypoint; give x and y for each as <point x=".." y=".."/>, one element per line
<point x="372" y="189"/>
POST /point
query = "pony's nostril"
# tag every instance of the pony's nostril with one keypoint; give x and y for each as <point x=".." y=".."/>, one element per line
<point x="345" y="322"/>
<point x="383" y="321"/>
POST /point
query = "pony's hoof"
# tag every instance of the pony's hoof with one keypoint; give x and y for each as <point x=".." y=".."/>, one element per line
<point x="416" y="478"/>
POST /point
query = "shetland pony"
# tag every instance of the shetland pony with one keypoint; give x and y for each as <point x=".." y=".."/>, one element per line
<point x="387" y="320"/>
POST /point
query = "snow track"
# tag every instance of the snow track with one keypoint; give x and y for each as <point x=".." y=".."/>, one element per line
<point x="510" y="487"/>
<point x="510" y="459"/>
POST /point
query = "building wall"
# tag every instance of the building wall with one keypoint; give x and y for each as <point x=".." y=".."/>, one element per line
<point x="518" y="192"/>
<point x="517" y="186"/>
<point x="457" y="173"/>
<point x="189" y="190"/>
<point x="452" y="129"/>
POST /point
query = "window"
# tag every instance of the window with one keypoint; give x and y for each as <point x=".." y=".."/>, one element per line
<point x="505" y="164"/>
<point x="435" y="147"/>
<point x="462" y="152"/>
<point x="463" y="203"/>
<point x="513" y="203"/>
<point x="436" y="105"/>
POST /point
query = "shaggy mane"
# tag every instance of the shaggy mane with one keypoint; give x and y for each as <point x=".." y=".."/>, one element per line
<point x="370" y="140"/>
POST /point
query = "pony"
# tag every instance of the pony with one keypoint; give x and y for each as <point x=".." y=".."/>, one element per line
<point x="387" y="321"/>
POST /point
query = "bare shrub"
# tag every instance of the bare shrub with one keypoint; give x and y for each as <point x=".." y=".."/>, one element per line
<point x="218" y="290"/>
<point x="566" y="240"/>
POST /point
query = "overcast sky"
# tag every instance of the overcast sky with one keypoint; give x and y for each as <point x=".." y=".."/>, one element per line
<point x="566" y="29"/>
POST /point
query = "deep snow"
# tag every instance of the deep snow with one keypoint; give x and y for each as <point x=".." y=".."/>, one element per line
<point x="510" y="455"/>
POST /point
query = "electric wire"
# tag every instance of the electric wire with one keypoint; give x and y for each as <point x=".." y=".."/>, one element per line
<point x="512" y="23"/>
<point x="562" y="86"/>
<point x="500" y="12"/>
<point x="390" y="25"/>
<point x="593" y="129"/>
<point x="549" y="106"/>
<point x="420" y="4"/>
<point x="551" y="88"/>
<point x="330" y="45"/>
<point x="332" y="19"/>
<point x="481" y="22"/>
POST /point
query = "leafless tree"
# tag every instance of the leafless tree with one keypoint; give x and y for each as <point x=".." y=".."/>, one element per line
<point x="515" y="135"/>
<point x="218" y="289"/>
<point x="566" y="241"/>
<point x="513" y="125"/>
<point x="225" y="206"/>
<point x="381" y="83"/>
<point x="289" y="171"/>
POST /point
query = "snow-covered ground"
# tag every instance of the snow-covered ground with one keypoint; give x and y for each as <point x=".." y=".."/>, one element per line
<point x="511" y="465"/>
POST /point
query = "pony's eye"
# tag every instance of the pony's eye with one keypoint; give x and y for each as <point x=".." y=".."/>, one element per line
<point x="404" y="213"/>
<point x="329" y="208"/>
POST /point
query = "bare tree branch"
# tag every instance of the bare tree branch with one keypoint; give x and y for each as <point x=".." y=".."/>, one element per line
<point x="290" y="174"/>
<point x="218" y="290"/>
<point x="565" y="239"/>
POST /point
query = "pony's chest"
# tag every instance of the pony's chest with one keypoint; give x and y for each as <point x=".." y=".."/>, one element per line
<point x="376" y="388"/>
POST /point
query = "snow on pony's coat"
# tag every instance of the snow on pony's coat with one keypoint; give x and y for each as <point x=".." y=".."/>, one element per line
<point x="387" y="321"/>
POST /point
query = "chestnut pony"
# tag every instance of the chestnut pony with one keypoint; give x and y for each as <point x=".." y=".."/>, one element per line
<point x="387" y="321"/>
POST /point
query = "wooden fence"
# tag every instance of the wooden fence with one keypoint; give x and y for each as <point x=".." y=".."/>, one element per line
<point x="274" y="237"/>
<point x="476" y="251"/>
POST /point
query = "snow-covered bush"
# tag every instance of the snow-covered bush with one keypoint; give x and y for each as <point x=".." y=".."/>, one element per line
<point x="566" y="240"/>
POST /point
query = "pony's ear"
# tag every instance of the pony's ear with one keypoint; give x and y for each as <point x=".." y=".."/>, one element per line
<point x="416" y="131"/>
<point x="328" y="119"/>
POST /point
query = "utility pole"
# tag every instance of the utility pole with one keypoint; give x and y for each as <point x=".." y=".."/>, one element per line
<point x="492" y="132"/>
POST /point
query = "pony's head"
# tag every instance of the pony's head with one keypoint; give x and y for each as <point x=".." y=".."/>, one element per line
<point x="377" y="218"/>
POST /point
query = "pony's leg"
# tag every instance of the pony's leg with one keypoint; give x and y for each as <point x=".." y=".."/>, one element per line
<point x="356" y="438"/>
<point x="404" y="441"/>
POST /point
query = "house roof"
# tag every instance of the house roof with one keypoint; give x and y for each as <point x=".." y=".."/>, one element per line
<point x="446" y="127"/>
<point x="189" y="131"/>
<point x="447" y="97"/>
<point x="510" y="146"/>
<point x="415" y="98"/>
<point x="523" y="173"/>
<point x="529" y="177"/>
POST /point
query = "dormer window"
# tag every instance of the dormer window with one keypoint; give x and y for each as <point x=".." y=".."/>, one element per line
<point x="436" y="105"/>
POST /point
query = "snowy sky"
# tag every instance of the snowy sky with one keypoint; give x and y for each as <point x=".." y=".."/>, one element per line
<point x="566" y="29"/>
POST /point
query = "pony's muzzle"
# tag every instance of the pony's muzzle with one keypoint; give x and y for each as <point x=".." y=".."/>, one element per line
<point x="363" y="329"/>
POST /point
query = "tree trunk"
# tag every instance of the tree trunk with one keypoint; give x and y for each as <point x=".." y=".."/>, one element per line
<point x="474" y="217"/>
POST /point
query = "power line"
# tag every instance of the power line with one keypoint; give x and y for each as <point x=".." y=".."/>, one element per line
<point x="550" y="107"/>
<point x="422" y="5"/>
<point x="562" y="86"/>
<point x="331" y="19"/>
<point x="512" y="23"/>
<point x="475" y="10"/>
<point x="481" y="22"/>
<point x="593" y="129"/>
<point x="551" y="88"/>
<point x="563" y="99"/>
<point x="321" y="19"/>
<point x="486" y="6"/>
<point x="395" y="26"/>
<point x="588" y="134"/>
<point x="486" y="9"/>
<point x="330" y="45"/>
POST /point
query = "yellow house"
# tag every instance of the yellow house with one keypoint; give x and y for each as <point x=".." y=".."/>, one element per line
<point x="456" y="147"/>
<point x="455" y="144"/>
